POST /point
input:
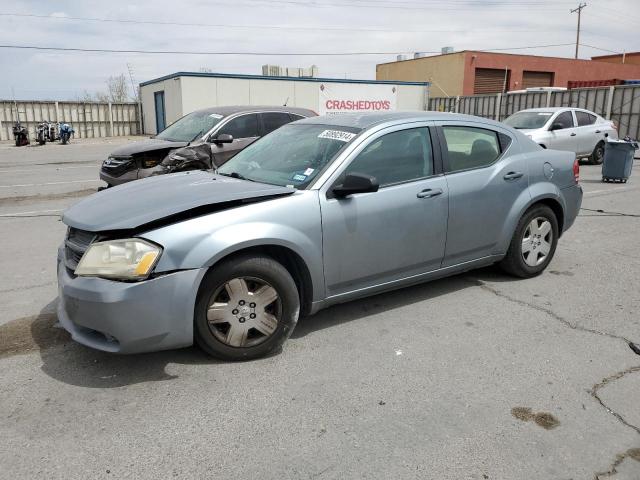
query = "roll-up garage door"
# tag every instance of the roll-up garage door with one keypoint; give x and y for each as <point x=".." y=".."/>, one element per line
<point x="489" y="80"/>
<point x="537" y="79"/>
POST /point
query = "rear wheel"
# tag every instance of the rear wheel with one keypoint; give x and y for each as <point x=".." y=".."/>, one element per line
<point x="247" y="307"/>
<point x="533" y="244"/>
<point x="598" y="154"/>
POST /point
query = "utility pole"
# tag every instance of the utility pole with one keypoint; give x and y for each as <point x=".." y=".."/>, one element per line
<point x="133" y="85"/>
<point x="579" y="10"/>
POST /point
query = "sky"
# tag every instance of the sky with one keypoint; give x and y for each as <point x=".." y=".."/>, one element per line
<point x="279" y="27"/>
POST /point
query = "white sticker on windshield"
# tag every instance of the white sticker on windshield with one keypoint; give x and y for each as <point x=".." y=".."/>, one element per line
<point x="337" y="135"/>
<point x="308" y="171"/>
<point x="216" y="115"/>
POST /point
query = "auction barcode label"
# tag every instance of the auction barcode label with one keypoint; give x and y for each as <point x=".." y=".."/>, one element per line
<point x="337" y="135"/>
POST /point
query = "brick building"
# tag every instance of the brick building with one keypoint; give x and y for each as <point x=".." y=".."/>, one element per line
<point x="472" y="72"/>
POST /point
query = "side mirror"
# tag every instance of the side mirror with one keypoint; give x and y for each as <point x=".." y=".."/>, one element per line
<point x="356" y="183"/>
<point x="223" y="138"/>
<point x="556" y="126"/>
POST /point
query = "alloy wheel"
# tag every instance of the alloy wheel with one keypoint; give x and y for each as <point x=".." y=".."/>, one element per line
<point x="244" y="312"/>
<point x="537" y="241"/>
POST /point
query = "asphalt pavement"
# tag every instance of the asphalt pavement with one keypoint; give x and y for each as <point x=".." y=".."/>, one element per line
<point x="478" y="376"/>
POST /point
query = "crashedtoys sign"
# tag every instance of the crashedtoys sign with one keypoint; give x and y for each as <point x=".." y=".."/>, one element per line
<point x="356" y="97"/>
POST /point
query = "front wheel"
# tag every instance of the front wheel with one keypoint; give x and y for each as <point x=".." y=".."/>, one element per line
<point x="247" y="307"/>
<point x="533" y="244"/>
<point x="598" y="154"/>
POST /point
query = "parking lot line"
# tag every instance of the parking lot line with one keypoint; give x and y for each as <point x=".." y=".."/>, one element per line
<point x="10" y="170"/>
<point x="608" y="190"/>
<point x="32" y="212"/>
<point x="48" y="183"/>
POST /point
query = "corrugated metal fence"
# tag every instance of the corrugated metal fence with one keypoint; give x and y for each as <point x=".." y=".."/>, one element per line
<point x="88" y="119"/>
<point x="620" y="104"/>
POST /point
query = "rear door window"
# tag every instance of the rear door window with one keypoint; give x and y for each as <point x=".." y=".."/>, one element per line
<point x="565" y="119"/>
<point x="244" y="126"/>
<point x="585" y="119"/>
<point x="472" y="147"/>
<point x="274" y="120"/>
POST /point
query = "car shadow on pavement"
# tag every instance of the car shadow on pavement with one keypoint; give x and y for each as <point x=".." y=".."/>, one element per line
<point x="71" y="363"/>
<point x="356" y="309"/>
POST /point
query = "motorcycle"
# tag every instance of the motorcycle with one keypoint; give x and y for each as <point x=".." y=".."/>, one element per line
<point x="42" y="133"/>
<point x="65" y="132"/>
<point x="20" y="134"/>
<point x="51" y="132"/>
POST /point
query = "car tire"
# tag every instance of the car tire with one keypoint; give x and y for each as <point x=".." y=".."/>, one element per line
<point x="533" y="243"/>
<point x="597" y="155"/>
<point x="246" y="308"/>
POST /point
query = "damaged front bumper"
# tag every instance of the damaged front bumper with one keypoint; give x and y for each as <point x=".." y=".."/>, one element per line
<point x="128" y="317"/>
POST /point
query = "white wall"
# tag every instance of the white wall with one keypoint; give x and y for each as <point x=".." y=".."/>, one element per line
<point x="203" y="92"/>
<point x="172" y="102"/>
<point x="186" y="94"/>
<point x="413" y="97"/>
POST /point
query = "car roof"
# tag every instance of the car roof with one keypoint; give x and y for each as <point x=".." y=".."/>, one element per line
<point x="369" y="119"/>
<point x="555" y="109"/>
<point x="233" y="109"/>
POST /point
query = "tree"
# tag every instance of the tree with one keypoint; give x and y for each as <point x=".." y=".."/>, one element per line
<point x="117" y="91"/>
<point x="118" y="88"/>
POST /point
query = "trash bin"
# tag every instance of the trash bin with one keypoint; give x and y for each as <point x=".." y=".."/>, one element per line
<point x="618" y="160"/>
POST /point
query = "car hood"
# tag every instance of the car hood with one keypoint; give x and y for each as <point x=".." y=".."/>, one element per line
<point x="148" y="145"/>
<point x="165" y="199"/>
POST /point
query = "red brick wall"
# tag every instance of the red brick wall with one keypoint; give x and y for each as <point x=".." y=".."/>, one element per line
<point x="564" y="69"/>
<point x="630" y="58"/>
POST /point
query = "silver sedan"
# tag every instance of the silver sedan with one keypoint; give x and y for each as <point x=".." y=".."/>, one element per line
<point x="321" y="211"/>
<point x="571" y="129"/>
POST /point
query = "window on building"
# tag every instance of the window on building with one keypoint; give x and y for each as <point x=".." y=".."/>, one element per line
<point x="491" y="80"/>
<point x="532" y="79"/>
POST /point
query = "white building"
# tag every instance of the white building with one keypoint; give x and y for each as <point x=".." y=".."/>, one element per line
<point x="168" y="98"/>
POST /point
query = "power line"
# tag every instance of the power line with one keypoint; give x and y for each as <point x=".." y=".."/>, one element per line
<point x="422" y="7"/>
<point x="252" y="27"/>
<point x="598" y="48"/>
<point x="290" y="54"/>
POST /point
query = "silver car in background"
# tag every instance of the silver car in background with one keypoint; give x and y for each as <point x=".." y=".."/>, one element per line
<point x="571" y="129"/>
<point x="321" y="211"/>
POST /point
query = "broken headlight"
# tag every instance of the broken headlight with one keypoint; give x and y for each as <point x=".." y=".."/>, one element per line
<point x="127" y="259"/>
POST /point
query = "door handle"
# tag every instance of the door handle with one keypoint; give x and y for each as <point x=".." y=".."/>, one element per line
<point x="598" y="131"/>
<point x="429" y="192"/>
<point x="573" y="134"/>
<point x="513" y="175"/>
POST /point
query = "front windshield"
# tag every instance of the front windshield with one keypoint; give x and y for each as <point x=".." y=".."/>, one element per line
<point x="291" y="155"/>
<point x="190" y="127"/>
<point x="528" y="120"/>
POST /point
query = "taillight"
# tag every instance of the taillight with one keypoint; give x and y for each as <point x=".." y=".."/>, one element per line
<point x="614" y="125"/>
<point x="576" y="170"/>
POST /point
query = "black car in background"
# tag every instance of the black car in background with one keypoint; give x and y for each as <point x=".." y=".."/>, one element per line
<point x="203" y="139"/>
